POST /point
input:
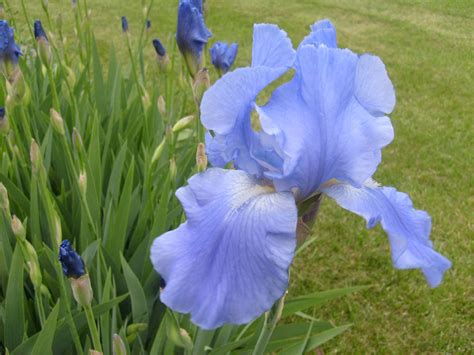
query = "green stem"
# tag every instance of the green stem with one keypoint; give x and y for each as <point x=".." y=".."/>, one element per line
<point x="40" y="307"/>
<point x="93" y="328"/>
<point x="271" y="319"/>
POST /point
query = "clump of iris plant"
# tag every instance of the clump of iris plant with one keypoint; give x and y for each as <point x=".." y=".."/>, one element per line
<point x="9" y="50"/>
<point x="191" y="34"/>
<point x="223" y="56"/>
<point x="321" y="133"/>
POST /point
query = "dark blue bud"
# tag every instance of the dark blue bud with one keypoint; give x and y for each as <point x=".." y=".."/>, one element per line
<point x="191" y="33"/>
<point x="124" y="24"/>
<point x="162" y="283"/>
<point x="39" y="30"/>
<point x="9" y="50"/>
<point x="72" y="263"/>
<point x="2" y="112"/>
<point x="148" y="24"/>
<point x="160" y="50"/>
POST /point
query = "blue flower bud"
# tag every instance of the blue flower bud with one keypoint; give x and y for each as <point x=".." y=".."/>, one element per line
<point x="124" y="24"/>
<point x="9" y="50"/>
<point x="39" y="31"/>
<point x="148" y="24"/>
<point x="160" y="50"/>
<point x="72" y="263"/>
<point x="223" y="56"/>
<point x="192" y="33"/>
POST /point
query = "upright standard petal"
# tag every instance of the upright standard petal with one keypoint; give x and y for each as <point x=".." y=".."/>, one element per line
<point x="229" y="262"/>
<point x="322" y="32"/>
<point x="408" y="229"/>
<point x="228" y="104"/>
<point x="326" y="133"/>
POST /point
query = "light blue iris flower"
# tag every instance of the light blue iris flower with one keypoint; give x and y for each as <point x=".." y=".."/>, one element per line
<point x="223" y="56"/>
<point x="9" y="50"/>
<point x="191" y="33"/>
<point x="321" y="132"/>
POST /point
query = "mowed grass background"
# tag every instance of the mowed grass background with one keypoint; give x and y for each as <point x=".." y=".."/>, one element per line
<point x="428" y="48"/>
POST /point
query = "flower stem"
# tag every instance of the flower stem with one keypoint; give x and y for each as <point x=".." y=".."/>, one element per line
<point x="271" y="319"/>
<point x="93" y="328"/>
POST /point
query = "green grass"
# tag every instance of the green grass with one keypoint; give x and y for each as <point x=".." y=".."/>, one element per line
<point x="428" y="48"/>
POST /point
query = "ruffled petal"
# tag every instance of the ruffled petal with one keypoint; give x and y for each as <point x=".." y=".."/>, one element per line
<point x="324" y="130"/>
<point x="373" y="87"/>
<point x="271" y="47"/>
<point x="226" y="107"/>
<point x="322" y="32"/>
<point x="408" y="229"/>
<point x="229" y="262"/>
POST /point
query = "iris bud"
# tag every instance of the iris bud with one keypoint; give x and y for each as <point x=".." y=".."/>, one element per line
<point x="77" y="140"/>
<point x="71" y="262"/>
<point x="183" y="123"/>
<point x="82" y="290"/>
<point x="124" y="24"/>
<point x="161" y="106"/>
<point x="158" y="151"/>
<point x="57" y="121"/>
<point x="200" y="85"/>
<point x="83" y="182"/>
<point x="34" y="270"/>
<point x="18" y="229"/>
<point x="4" y="124"/>
<point x="4" y="201"/>
<point x="163" y="59"/>
<point x="201" y="157"/>
<point x="9" y="50"/>
<point x="35" y="157"/>
<point x="118" y="346"/>
<point x="44" y="49"/>
<point x="191" y="34"/>
<point x="173" y="169"/>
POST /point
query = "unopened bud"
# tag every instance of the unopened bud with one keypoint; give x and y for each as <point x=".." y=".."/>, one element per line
<point x="4" y="124"/>
<point x="158" y="151"/>
<point x="58" y="235"/>
<point x="95" y="352"/>
<point x="83" y="182"/>
<point x="35" y="157"/>
<point x="57" y="121"/>
<point x="183" y="123"/>
<point x="173" y="169"/>
<point x="146" y="100"/>
<point x="201" y="157"/>
<point x="164" y="63"/>
<point x="77" y="140"/>
<point x="71" y="77"/>
<point x="161" y="106"/>
<point x="34" y="270"/>
<point x="136" y="328"/>
<point x="187" y="341"/>
<point x="2" y="12"/>
<point x="82" y="290"/>
<point x="201" y="83"/>
<point x="17" y="89"/>
<point x="44" y="51"/>
<point x="118" y="346"/>
<point x="4" y="201"/>
<point x="18" y="229"/>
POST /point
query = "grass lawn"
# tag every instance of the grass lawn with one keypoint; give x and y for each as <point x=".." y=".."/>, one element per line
<point x="428" y="48"/>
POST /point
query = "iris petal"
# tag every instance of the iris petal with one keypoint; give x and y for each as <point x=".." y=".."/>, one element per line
<point x="325" y="131"/>
<point x="322" y="32"/>
<point x="408" y="229"/>
<point x="226" y="107"/>
<point x="229" y="262"/>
